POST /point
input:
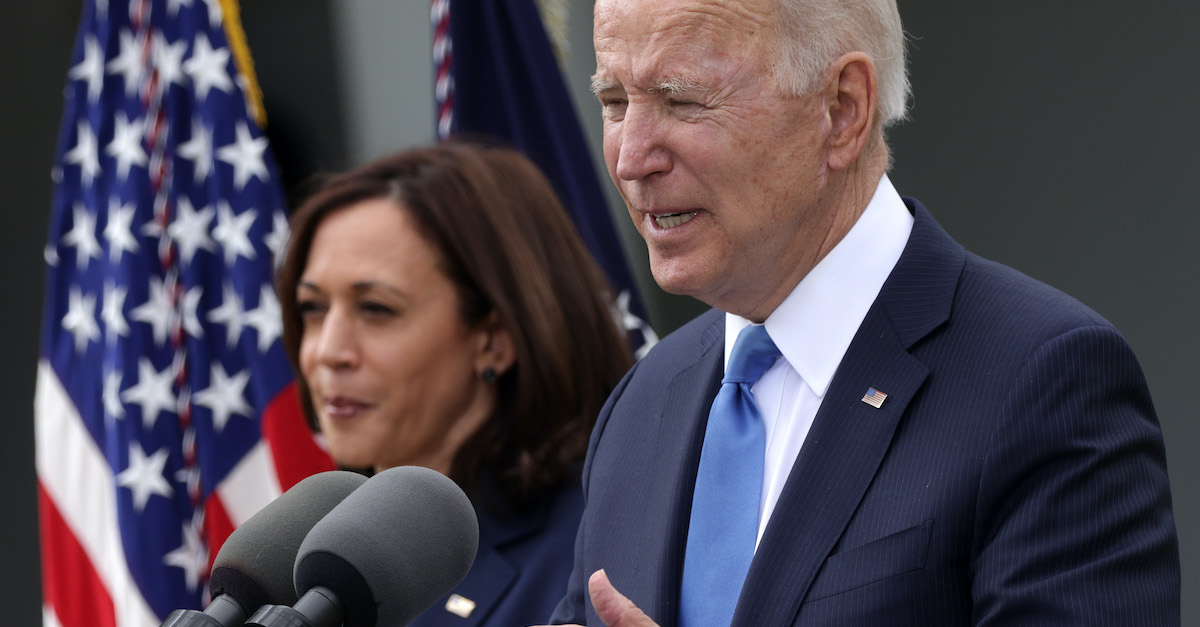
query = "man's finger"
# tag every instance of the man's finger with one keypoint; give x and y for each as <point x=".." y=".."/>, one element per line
<point x="613" y="607"/>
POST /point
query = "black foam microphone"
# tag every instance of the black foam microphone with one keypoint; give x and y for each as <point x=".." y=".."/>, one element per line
<point x="382" y="556"/>
<point x="254" y="566"/>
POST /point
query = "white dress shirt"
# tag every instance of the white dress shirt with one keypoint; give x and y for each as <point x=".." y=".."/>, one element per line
<point x="813" y="328"/>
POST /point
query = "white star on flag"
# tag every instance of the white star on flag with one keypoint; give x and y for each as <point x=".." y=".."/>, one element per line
<point x="245" y="154"/>
<point x="267" y="319"/>
<point x="198" y="150"/>
<point x="191" y="556"/>
<point x="128" y="62"/>
<point x="188" y="306"/>
<point x="207" y="67"/>
<point x="113" y="312"/>
<point x="157" y="311"/>
<point x="230" y="314"/>
<point x="278" y="236"/>
<point x="85" y="153"/>
<point x="111" y="397"/>
<point x="233" y="232"/>
<point x="168" y="59"/>
<point x="190" y="230"/>
<point x="174" y="5"/>
<point x="126" y="145"/>
<point x="225" y="396"/>
<point x="215" y="14"/>
<point x="153" y="391"/>
<point x="631" y="322"/>
<point x="119" y="230"/>
<point x="91" y="68"/>
<point x="83" y="236"/>
<point x="81" y="319"/>
<point x="144" y="475"/>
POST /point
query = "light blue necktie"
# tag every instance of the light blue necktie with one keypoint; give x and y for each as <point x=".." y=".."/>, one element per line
<point x="724" y="523"/>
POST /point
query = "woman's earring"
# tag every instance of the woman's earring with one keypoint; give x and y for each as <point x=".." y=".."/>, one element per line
<point x="489" y="376"/>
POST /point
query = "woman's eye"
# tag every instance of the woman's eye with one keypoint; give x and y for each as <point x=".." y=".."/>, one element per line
<point x="307" y="307"/>
<point x="309" y="311"/>
<point x="374" y="308"/>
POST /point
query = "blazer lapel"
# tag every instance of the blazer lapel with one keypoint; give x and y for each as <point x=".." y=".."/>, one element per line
<point x="845" y="446"/>
<point x="492" y="573"/>
<point x="681" y="421"/>
<point x="849" y="438"/>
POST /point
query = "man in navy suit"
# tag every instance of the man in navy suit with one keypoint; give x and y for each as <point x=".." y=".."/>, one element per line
<point x="947" y="441"/>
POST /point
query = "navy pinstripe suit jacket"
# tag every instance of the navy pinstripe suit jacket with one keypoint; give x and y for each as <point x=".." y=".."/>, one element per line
<point x="1015" y="475"/>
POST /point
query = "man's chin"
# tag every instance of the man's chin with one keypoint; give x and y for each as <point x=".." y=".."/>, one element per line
<point x="681" y="281"/>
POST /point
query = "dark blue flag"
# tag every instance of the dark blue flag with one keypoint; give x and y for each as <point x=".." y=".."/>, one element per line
<point x="497" y="76"/>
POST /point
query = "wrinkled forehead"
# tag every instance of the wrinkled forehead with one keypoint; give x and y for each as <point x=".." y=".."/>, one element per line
<point x="734" y="14"/>
<point x="640" y="36"/>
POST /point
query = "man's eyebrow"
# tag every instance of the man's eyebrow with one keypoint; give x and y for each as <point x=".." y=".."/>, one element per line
<point x="601" y="84"/>
<point x="676" y="85"/>
<point x="671" y="86"/>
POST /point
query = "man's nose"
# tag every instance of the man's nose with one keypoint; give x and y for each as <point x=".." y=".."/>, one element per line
<point x="642" y="151"/>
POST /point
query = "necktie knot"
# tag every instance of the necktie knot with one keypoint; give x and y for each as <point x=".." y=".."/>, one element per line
<point x="752" y="354"/>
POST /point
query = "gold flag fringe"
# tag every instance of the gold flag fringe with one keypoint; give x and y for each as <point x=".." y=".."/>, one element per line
<point x="241" y="56"/>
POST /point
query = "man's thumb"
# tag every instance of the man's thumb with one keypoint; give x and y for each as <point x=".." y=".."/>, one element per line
<point x="613" y="607"/>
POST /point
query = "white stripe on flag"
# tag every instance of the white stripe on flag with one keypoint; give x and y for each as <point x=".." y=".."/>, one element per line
<point x="48" y="617"/>
<point x="250" y="485"/>
<point x="77" y="478"/>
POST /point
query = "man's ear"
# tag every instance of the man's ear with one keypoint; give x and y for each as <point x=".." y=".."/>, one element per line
<point x="495" y="348"/>
<point x="851" y="98"/>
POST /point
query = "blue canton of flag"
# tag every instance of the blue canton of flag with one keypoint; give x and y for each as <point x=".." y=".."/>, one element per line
<point x="160" y="343"/>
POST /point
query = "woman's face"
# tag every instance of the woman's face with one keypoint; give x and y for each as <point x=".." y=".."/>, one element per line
<point x="393" y="370"/>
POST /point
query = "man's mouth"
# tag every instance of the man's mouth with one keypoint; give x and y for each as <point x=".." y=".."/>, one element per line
<point x="672" y="220"/>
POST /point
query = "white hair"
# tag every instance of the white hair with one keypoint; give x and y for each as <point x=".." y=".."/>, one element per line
<point x="813" y="33"/>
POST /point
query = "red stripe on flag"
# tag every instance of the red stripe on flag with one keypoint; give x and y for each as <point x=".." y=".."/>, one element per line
<point x="217" y="526"/>
<point x="294" y="451"/>
<point x="70" y="584"/>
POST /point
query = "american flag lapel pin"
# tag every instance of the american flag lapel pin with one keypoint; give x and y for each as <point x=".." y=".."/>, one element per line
<point x="874" y="398"/>
<point x="460" y="606"/>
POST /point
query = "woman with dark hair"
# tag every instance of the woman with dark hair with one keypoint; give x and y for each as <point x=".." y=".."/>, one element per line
<point x="442" y="311"/>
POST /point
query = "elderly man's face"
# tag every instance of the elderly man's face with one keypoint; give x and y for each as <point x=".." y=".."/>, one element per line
<point x="722" y="174"/>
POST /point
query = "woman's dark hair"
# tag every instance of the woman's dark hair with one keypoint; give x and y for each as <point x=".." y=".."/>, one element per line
<point x="505" y="241"/>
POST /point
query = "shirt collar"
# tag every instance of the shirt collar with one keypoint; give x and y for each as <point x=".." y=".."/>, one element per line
<point x="814" y="325"/>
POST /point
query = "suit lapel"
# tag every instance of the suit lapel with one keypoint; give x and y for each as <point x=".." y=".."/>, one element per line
<point x="493" y="573"/>
<point x="682" y="421"/>
<point x="849" y="438"/>
<point x="836" y="464"/>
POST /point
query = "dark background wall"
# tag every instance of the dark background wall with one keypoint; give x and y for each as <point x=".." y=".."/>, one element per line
<point x="1060" y="138"/>
<point x="35" y="51"/>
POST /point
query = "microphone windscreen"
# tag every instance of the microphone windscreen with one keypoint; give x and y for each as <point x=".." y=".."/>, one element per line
<point x="255" y="564"/>
<point x="392" y="548"/>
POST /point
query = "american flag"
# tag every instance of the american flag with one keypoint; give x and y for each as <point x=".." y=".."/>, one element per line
<point x="874" y="398"/>
<point x="165" y="408"/>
